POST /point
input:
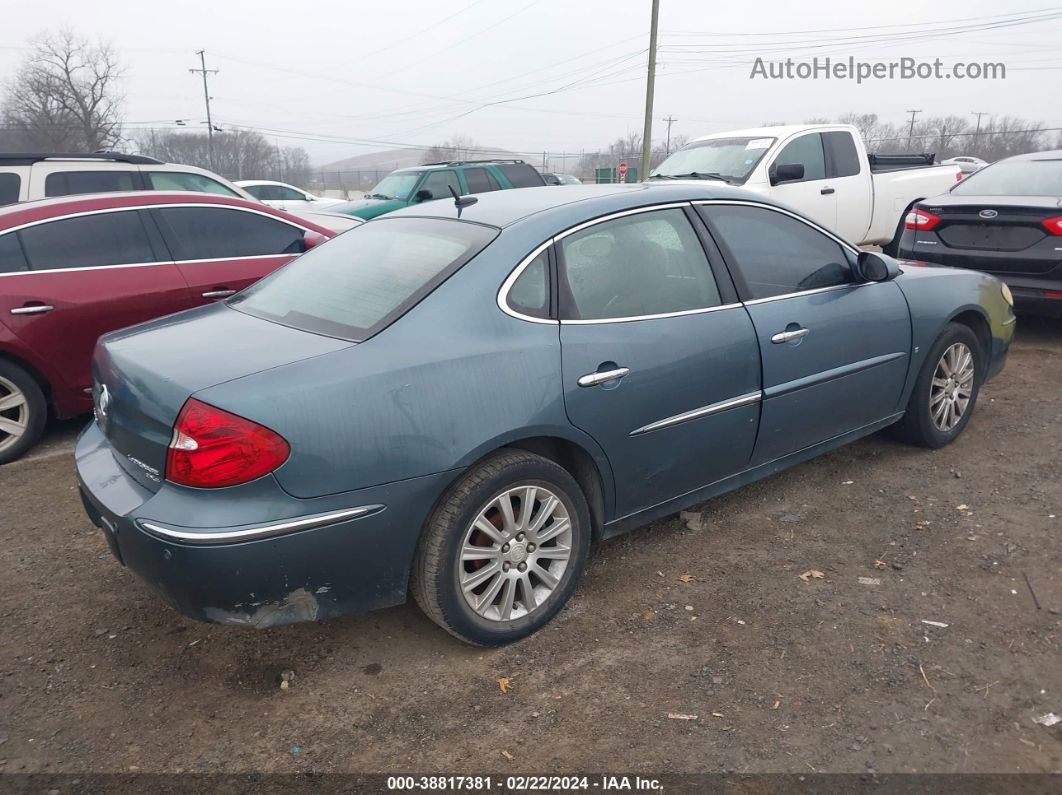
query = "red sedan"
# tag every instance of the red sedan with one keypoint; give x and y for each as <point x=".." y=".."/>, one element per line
<point x="76" y="267"/>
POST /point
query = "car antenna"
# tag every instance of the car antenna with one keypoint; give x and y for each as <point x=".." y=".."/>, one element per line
<point x="461" y="201"/>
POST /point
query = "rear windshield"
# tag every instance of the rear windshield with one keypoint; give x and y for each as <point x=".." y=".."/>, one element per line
<point x="1014" y="178"/>
<point x="359" y="282"/>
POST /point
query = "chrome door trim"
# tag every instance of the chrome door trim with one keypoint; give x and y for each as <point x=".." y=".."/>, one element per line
<point x="801" y="293"/>
<point x="261" y="531"/>
<point x="704" y="411"/>
<point x="650" y="317"/>
<point x="593" y="379"/>
<point x="32" y="310"/>
<point x="830" y="375"/>
<point x="621" y="214"/>
<point x="764" y="206"/>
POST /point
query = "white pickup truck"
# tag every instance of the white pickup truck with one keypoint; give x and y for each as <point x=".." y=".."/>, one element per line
<point x="821" y="170"/>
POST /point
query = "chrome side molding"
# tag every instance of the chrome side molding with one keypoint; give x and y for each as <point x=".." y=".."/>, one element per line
<point x="187" y="536"/>
<point x="696" y="414"/>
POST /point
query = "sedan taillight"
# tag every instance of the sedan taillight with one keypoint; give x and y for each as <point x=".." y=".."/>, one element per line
<point x="920" y="220"/>
<point x="1053" y="225"/>
<point x="212" y="448"/>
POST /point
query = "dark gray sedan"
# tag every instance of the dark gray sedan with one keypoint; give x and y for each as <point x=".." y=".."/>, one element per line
<point x="456" y="400"/>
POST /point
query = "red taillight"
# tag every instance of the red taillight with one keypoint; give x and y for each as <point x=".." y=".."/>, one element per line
<point x="311" y="239"/>
<point x="959" y="176"/>
<point x="921" y="220"/>
<point x="1053" y="225"/>
<point x="212" y="448"/>
<point x="1051" y="294"/>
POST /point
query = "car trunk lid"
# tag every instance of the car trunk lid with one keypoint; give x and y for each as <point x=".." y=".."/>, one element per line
<point x="143" y="375"/>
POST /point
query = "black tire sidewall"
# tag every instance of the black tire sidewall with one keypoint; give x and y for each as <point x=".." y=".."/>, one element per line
<point x="457" y="613"/>
<point x="38" y="409"/>
<point x="929" y="433"/>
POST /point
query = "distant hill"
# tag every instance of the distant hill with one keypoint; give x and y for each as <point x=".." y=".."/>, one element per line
<point x="390" y="159"/>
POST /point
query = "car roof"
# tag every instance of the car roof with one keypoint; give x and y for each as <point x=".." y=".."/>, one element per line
<point x="780" y="131"/>
<point x="503" y="208"/>
<point x="246" y="182"/>
<point x="1051" y="154"/>
<point x="58" y="206"/>
<point x="501" y="161"/>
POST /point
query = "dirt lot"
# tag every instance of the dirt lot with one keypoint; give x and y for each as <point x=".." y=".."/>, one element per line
<point x="833" y="674"/>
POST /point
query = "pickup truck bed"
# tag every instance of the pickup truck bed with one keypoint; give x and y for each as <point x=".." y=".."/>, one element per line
<point x="899" y="162"/>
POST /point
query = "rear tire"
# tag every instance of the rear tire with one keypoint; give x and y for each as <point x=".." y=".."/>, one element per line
<point x="23" y="411"/>
<point x="489" y="572"/>
<point x="945" y="393"/>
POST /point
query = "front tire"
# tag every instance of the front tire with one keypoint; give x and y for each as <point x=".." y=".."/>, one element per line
<point x="945" y="393"/>
<point x="23" y="411"/>
<point x="503" y="550"/>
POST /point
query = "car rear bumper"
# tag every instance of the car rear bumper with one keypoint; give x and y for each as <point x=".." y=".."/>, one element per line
<point x="292" y="560"/>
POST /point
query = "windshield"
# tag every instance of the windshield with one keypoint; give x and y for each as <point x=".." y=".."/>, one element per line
<point x="730" y="158"/>
<point x="362" y="280"/>
<point x="1014" y="178"/>
<point x="395" y="186"/>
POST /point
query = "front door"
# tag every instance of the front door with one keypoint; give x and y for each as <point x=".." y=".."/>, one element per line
<point x="813" y="194"/>
<point x="835" y="352"/>
<point x="660" y="365"/>
<point x="221" y="250"/>
<point x="85" y="276"/>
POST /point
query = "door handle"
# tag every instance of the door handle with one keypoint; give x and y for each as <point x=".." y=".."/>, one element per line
<point x="826" y="191"/>
<point x="39" y="309"/>
<point x="593" y="379"/>
<point x="219" y="293"/>
<point x="789" y="336"/>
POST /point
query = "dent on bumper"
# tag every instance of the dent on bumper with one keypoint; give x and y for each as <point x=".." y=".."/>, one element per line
<point x="314" y="559"/>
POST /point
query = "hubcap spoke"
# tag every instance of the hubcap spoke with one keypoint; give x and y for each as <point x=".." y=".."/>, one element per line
<point x="528" y="592"/>
<point x="11" y="427"/>
<point x="557" y="552"/>
<point x="480" y="576"/>
<point x="559" y="526"/>
<point x="508" y="597"/>
<point x="13" y="401"/>
<point x="490" y="594"/>
<point x="544" y="574"/>
<point x="478" y="553"/>
<point x="504" y="504"/>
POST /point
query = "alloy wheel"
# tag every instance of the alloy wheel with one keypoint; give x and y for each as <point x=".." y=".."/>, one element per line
<point x="515" y="553"/>
<point x="952" y="386"/>
<point x="14" y="413"/>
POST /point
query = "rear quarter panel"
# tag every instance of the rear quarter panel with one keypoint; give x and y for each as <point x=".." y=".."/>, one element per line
<point x="936" y="296"/>
<point x="894" y="191"/>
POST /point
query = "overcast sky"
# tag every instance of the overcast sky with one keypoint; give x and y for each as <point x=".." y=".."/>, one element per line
<point x="361" y="75"/>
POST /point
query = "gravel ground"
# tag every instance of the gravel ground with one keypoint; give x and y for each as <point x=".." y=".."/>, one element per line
<point x="707" y="618"/>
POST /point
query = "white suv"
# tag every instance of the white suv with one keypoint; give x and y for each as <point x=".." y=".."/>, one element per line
<point x="36" y="176"/>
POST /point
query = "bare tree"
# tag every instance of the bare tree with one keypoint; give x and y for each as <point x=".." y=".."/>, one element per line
<point x="238" y="154"/>
<point x="459" y="147"/>
<point x="65" y="96"/>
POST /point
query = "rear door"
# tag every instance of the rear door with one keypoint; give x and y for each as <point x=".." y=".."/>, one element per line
<point x="84" y="276"/>
<point x="221" y="250"/>
<point x="659" y="362"/>
<point x="835" y="352"/>
<point x="813" y="194"/>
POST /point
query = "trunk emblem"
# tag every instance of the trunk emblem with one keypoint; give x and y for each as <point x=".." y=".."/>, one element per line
<point x="988" y="213"/>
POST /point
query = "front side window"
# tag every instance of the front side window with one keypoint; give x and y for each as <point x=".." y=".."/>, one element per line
<point x="438" y="184"/>
<point x="644" y="264"/>
<point x="529" y="294"/>
<point x="220" y="233"/>
<point x="185" y="180"/>
<point x="806" y="151"/>
<point x="362" y="280"/>
<point x="10" y="185"/>
<point x="774" y="253"/>
<point x="286" y="194"/>
<point x="69" y="183"/>
<point x="87" y="241"/>
<point x="11" y="257"/>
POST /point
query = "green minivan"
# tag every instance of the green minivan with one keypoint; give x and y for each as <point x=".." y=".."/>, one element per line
<point x="417" y="184"/>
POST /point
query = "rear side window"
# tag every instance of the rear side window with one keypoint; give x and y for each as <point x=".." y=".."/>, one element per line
<point x="843" y="154"/>
<point x="68" y="183"/>
<point x="11" y="258"/>
<point x="521" y="175"/>
<point x="359" y="282"/>
<point x="807" y="151"/>
<point x="529" y="294"/>
<point x="775" y="254"/>
<point x="10" y="185"/>
<point x="88" y="241"/>
<point x="183" y="180"/>
<point x="215" y="233"/>
<point x="480" y="180"/>
<point x="644" y="264"/>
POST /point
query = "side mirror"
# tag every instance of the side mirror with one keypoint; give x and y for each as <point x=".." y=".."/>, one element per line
<point x="423" y="195"/>
<point x="874" y="267"/>
<point x="786" y="172"/>
<point x="311" y="239"/>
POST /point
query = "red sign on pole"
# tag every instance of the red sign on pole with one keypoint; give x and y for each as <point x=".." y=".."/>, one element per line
<point x="623" y="171"/>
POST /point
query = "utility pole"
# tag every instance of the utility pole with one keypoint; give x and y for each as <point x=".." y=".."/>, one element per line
<point x="650" y="83"/>
<point x="206" y="95"/>
<point x="910" y="131"/>
<point x="667" y="146"/>
<point x="978" y="114"/>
